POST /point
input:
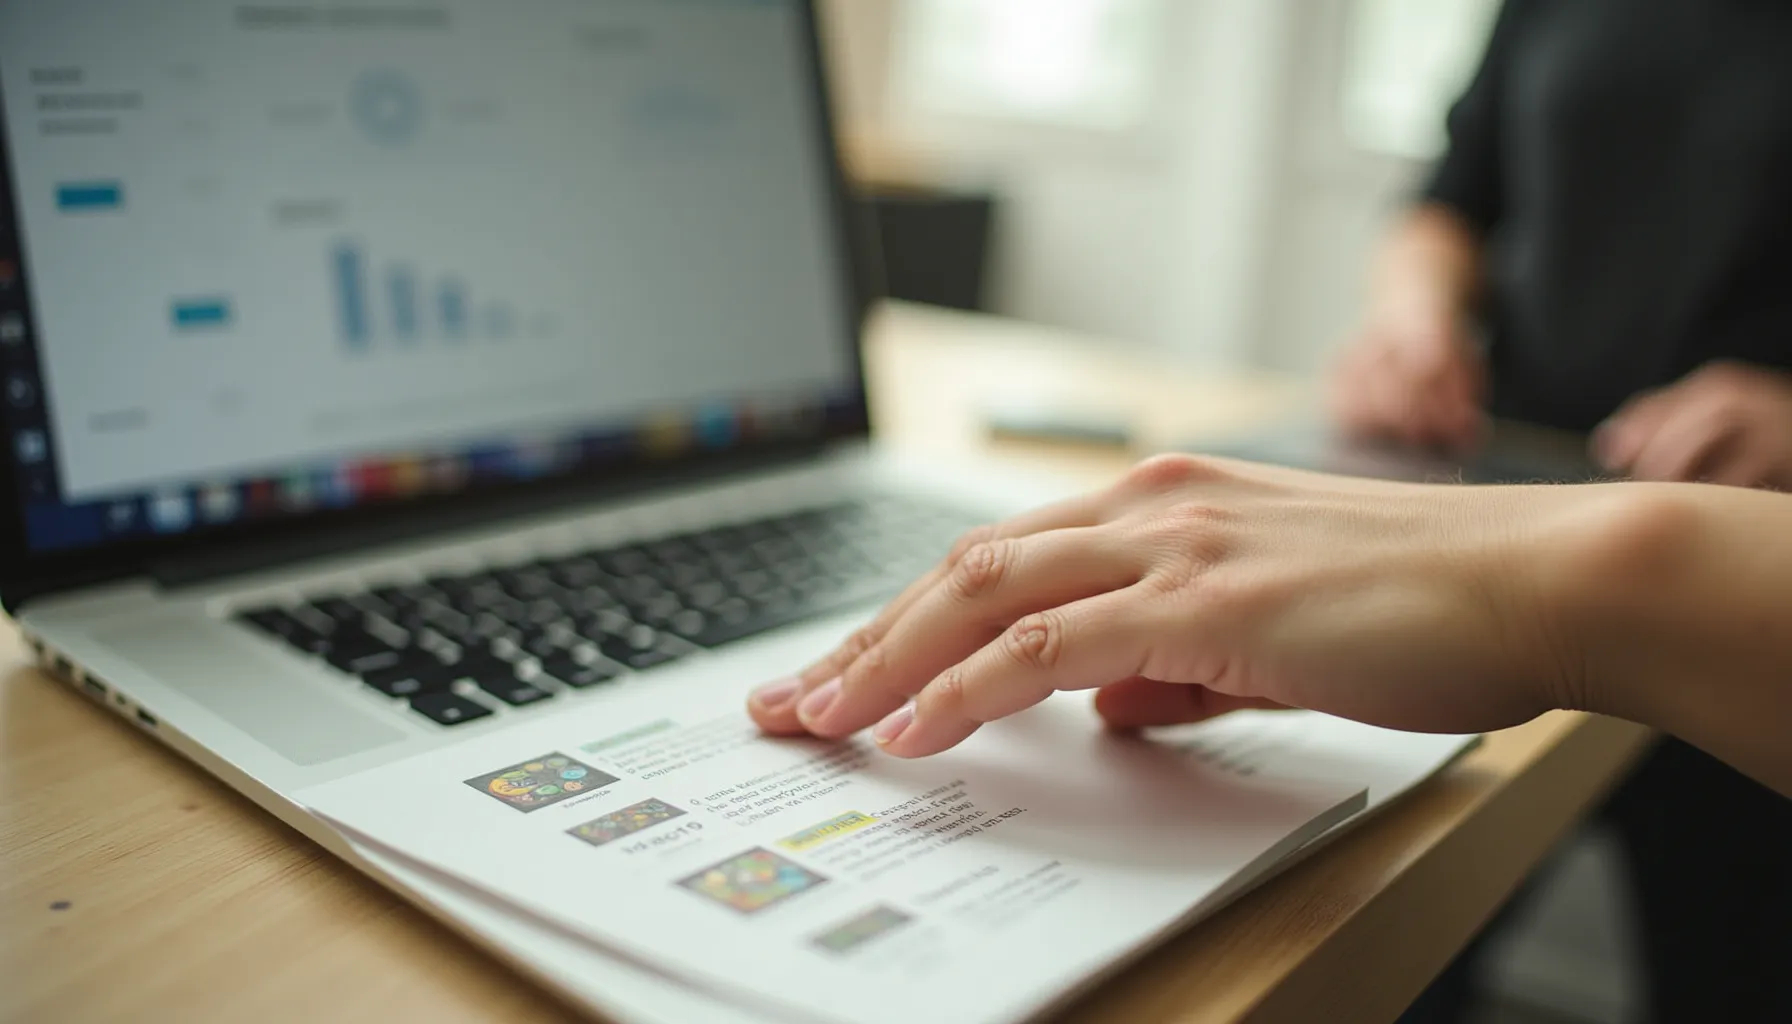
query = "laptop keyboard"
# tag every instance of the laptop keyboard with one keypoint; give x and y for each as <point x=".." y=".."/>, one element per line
<point x="456" y="647"/>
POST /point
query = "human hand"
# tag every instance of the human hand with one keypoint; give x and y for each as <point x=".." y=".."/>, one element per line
<point x="1727" y="423"/>
<point x="1418" y="380"/>
<point x="1195" y="587"/>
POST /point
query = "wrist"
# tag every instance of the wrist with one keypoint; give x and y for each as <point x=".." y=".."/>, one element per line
<point x="1676" y="602"/>
<point x="1429" y="273"/>
<point x="1415" y="312"/>
<point x="1613" y="574"/>
<point x="1682" y="605"/>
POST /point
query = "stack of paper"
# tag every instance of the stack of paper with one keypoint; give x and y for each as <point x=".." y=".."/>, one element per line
<point x="683" y="868"/>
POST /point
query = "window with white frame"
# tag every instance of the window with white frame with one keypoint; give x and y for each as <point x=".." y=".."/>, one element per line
<point x="1080" y="64"/>
<point x="1406" y="62"/>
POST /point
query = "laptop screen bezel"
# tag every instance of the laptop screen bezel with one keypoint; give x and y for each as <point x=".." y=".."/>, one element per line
<point x="26" y="574"/>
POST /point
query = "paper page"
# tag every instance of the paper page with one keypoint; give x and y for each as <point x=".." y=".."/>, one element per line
<point x="828" y="881"/>
<point x="1388" y="763"/>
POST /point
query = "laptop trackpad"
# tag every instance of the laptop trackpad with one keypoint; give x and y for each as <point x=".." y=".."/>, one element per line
<point x="279" y="702"/>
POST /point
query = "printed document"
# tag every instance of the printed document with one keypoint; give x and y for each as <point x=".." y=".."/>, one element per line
<point x="1389" y="763"/>
<point x="816" y="881"/>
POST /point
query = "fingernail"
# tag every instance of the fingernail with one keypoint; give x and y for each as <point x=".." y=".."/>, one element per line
<point x="773" y="696"/>
<point x="816" y="704"/>
<point x="894" y="725"/>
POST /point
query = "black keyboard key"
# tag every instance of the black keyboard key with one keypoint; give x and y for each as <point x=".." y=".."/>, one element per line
<point x="440" y="646"/>
<point x="371" y="605"/>
<point x="685" y="575"/>
<point x="625" y="561"/>
<point x="688" y="623"/>
<point x="733" y="563"/>
<point x="526" y="584"/>
<point x="673" y="550"/>
<point x="490" y="627"/>
<point x="589" y="599"/>
<point x="315" y="619"/>
<point x="792" y="570"/>
<point x="388" y="632"/>
<point x="579" y="573"/>
<point x="731" y="612"/>
<point x="641" y="661"/>
<point x="752" y="582"/>
<point x="449" y="708"/>
<point x="359" y="660"/>
<point x="338" y="609"/>
<point x="579" y="676"/>
<point x="514" y="691"/>
<point x="548" y="645"/>
<point x="656" y="610"/>
<point x="449" y="583"/>
<point x="736" y="620"/>
<point x="606" y="623"/>
<point x="541" y="611"/>
<point x="455" y="626"/>
<point x="410" y="679"/>
<point x="637" y="588"/>
<point x="400" y="597"/>
<point x="507" y="681"/>
<point x="644" y="648"/>
<point x="704" y="596"/>
<point x="476" y="665"/>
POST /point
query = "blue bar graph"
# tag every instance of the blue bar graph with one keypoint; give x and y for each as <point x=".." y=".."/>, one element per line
<point x="401" y="289"/>
<point x="84" y="196"/>
<point x="384" y="303"/>
<point x="453" y="302"/>
<point x="198" y="314"/>
<point x="351" y="297"/>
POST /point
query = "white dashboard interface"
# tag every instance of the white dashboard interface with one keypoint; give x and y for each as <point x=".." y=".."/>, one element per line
<point x="263" y="235"/>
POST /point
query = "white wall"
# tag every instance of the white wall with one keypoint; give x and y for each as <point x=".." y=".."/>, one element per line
<point x="1333" y="202"/>
<point x="1228" y="228"/>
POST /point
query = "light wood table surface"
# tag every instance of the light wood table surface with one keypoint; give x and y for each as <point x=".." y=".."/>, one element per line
<point x="135" y="887"/>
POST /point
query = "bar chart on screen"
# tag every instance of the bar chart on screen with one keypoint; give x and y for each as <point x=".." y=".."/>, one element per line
<point x="385" y="304"/>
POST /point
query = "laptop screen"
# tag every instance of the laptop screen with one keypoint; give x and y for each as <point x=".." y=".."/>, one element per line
<point x="261" y="260"/>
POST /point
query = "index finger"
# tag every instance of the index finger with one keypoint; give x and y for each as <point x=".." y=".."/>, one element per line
<point x="992" y="587"/>
<point x="1082" y="645"/>
<point x="773" y="706"/>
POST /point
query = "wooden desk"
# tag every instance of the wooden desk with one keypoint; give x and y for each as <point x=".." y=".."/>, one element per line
<point x="135" y="887"/>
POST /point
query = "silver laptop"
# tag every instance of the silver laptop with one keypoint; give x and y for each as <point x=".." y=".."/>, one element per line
<point x="379" y="374"/>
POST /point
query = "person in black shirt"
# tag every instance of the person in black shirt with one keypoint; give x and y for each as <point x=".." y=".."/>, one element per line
<point x="1615" y="211"/>
<point x="1606" y="247"/>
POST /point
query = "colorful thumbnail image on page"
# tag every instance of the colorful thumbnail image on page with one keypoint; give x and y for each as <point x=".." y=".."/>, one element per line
<point x="751" y="881"/>
<point x="854" y="932"/>
<point x="535" y="784"/>
<point x="626" y="822"/>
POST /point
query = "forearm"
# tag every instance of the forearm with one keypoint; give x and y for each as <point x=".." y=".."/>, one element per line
<point x="1428" y="271"/>
<point x="1681" y="597"/>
